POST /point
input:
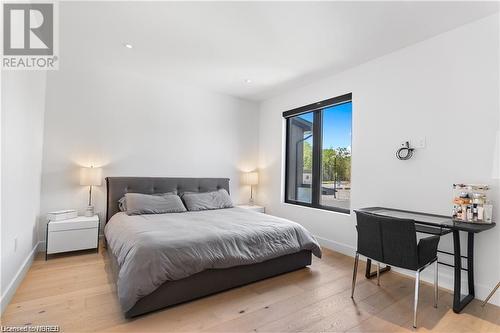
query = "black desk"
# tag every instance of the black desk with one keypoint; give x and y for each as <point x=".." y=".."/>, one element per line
<point x="441" y="225"/>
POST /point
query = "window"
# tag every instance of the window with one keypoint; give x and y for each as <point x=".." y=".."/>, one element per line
<point x="318" y="154"/>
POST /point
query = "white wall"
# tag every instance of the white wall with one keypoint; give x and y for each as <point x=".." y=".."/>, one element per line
<point x="137" y="126"/>
<point x="23" y="102"/>
<point x="446" y="89"/>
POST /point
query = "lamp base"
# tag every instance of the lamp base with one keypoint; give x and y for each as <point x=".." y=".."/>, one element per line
<point x="89" y="211"/>
<point x="251" y="202"/>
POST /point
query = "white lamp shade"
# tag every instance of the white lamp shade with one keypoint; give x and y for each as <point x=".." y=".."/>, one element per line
<point x="250" y="178"/>
<point x="91" y="176"/>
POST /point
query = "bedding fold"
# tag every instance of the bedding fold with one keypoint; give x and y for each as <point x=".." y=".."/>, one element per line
<point x="153" y="249"/>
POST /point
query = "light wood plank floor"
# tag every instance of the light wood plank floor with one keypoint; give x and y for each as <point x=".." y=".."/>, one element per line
<point x="77" y="292"/>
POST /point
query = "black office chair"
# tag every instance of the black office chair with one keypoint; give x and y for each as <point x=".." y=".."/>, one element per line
<point x="393" y="241"/>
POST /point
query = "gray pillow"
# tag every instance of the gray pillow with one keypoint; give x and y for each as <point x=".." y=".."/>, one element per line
<point x="137" y="204"/>
<point x="207" y="200"/>
<point x="122" y="203"/>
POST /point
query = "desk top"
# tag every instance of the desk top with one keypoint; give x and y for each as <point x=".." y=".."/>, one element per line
<point x="441" y="221"/>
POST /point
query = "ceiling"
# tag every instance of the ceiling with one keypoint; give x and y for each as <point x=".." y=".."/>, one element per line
<point x="277" y="45"/>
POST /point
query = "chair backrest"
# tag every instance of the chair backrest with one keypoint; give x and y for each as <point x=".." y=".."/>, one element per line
<point x="389" y="240"/>
<point x="369" y="236"/>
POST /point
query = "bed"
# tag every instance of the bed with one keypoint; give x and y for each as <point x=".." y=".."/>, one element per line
<point x="160" y="260"/>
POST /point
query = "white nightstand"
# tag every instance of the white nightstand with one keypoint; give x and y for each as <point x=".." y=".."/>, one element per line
<point x="79" y="233"/>
<point x="255" y="208"/>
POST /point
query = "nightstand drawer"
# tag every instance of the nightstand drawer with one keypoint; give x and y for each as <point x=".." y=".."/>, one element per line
<point x="72" y="240"/>
<point x="75" y="223"/>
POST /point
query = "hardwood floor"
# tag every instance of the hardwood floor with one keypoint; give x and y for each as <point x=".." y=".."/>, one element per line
<point x="77" y="293"/>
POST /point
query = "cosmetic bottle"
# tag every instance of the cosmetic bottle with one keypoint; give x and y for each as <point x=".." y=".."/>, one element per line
<point x="474" y="212"/>
<point x="488" y="212"/>
<point x="469" y="213"/>
<point x="480" y="213"/>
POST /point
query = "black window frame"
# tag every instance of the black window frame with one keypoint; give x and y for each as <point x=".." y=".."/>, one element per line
<point x="317" y="146"/>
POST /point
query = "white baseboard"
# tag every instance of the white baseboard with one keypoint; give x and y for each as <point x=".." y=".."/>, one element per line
<point x="9" y="292"/>
<point x="446" y="279"/>
<point x="336" y="246"/>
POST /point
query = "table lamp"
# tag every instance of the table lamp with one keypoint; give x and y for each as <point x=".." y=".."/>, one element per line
<point x="90" y="177"/>
<point x="250" y="178"/>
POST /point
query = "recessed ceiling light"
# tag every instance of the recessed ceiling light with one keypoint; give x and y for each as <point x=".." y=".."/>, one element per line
<point x="127" y="45"/>
<point x="248" y="81"/>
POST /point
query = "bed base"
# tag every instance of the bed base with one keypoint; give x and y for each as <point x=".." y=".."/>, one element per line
<point x="212" y="281"/>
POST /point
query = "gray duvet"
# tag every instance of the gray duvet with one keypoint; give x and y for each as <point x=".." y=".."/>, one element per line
<point x="153" y="249"/>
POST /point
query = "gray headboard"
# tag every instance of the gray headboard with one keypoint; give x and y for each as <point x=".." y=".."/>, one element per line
<point x="117" y="187"/>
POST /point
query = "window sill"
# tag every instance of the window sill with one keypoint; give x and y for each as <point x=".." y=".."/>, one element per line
<point x="346" y="212"/>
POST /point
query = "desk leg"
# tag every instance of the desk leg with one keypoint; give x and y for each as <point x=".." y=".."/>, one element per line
<point x="459" y="303"/>
<point x="369" y="274"/>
